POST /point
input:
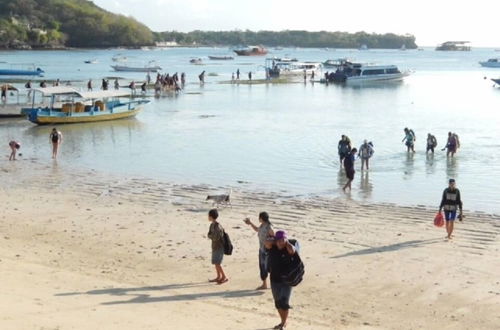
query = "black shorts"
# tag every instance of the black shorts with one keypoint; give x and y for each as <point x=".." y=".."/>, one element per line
<point x="350" y="174"/>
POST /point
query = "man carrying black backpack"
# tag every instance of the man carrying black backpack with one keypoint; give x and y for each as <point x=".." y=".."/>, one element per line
<point x="286" y="270"/>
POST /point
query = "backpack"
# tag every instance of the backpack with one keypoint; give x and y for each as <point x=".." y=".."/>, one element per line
<point x="414" y="136"/>
<point x="228" y="246"/>
<point x="294" y="273"/>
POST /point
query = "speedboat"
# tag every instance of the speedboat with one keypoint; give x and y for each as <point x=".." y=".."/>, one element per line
<point x="69" y="106"/>
<point x="20" y="72"/>
<point x="251" y="51"/>
<point x="358" y="72"/>
<point x="491" y="63"/>
<point x="150" y="67"/>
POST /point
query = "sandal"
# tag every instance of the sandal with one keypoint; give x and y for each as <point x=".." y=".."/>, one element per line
<point x="224" y="280"/>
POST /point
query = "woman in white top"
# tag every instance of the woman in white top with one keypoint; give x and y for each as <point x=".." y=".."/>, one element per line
<point x="264" y="231"/>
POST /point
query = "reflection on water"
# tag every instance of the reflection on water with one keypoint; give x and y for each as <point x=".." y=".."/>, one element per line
<point x="365" y="186"/>
<point x="408" y="165"/>
<point x="452" y="167"/>
<point x="429" y="163"/>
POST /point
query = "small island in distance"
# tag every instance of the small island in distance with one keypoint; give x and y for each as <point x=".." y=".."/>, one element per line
<point x="52" y="24"/>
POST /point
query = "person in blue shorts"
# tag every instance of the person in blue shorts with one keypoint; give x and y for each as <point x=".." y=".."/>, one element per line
<point x="451" y="202"/>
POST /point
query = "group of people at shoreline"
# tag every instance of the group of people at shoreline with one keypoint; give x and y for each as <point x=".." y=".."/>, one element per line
<point x="276" y="253"/>
<point x="55" y="138"/>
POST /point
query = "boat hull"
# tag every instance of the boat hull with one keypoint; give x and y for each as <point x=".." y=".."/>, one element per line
<point x="490" y="64"/>
<point x="43" y="117"/>
<point x="132" y="69"/>
<point x="221" y="58"/>
<point x="374" y="78"/>
<point x="9" y="72"/>
<point x="250" y="52"/>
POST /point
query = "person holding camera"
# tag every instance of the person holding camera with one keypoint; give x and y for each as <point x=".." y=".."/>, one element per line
<point x="264" y="231"/>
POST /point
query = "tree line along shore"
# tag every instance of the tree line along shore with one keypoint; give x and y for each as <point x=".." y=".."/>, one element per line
<point x="56" y="24"/>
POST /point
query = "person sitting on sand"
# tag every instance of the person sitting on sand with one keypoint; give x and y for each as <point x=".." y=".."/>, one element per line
<point x="349" y="168"/>
<point x="14" y="147"/>
<point x="280" y="250"/>
<point x="451" y="201"/>
<point x="216" y="234"/>
<point x="264" y="231"/>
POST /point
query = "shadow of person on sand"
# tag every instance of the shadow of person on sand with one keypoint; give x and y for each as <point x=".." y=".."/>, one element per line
<point x="141" y="298"/>
<point x="389" y="248"/>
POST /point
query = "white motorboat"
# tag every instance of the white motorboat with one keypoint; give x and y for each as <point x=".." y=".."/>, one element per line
<point x="276" y="68"/>
<point x="358" y="72"/>
<point x="150" y="67"/>
<point x="491" y="63"/>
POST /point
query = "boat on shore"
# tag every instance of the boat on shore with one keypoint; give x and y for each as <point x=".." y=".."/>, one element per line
<point x="68" y="106"/>
<point x="491" y="63"/>
<point x="454" y="46"/>
<point x="359" y="72"/>
<point x="150" y="67"/>
<point x="220" y="58"/>
<point x="251" y="51"/>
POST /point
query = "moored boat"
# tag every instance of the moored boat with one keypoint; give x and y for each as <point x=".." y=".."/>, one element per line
<point x="196" y="61"/>
<point x="82" y="107"/>
<point x="454" y="46"/>
<point x="150" y="67"/>
<point x="251" y="51"/>
<point x="334" y="64"/>
<point x="220" y="58"/>
<point x="491" y="63"/>
<point x="358" y="72"/>
<point x="20" y="72"/>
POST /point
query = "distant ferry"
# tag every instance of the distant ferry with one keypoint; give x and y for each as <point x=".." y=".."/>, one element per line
<point x="251" y="51"/>
<point x="454" y="46"/>
<point x="358" y="72"/>
<point x="491" y="63"/>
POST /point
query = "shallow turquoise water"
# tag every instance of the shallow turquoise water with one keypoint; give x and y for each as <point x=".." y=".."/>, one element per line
<point x="283" y="138"/>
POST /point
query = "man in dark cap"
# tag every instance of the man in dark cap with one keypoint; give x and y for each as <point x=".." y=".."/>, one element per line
<point x="450" y="202"/>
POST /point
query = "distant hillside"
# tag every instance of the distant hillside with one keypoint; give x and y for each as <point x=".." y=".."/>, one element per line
<point x="73" y="23"/>
<point x="290" y="39"/>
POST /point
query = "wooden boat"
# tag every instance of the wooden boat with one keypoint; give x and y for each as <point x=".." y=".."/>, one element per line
<point x="69" y="106"/>
<point x="220" y="58"/>
<point x="251" y="51"/>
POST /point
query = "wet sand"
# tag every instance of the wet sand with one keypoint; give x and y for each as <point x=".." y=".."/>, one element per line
<point x="83" y="250"/>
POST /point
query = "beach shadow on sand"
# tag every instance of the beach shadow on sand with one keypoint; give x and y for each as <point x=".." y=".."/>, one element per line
<point x="137" y="297"/>
<point x="389" y="248"/>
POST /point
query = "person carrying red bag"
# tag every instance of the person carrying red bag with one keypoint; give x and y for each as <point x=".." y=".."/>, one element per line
<point x="450" y="202"/>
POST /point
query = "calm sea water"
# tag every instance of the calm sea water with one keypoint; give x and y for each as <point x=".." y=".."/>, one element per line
<point x="283" y="138"/>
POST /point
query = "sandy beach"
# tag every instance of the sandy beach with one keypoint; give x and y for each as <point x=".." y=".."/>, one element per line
<point x="85" y="250"/>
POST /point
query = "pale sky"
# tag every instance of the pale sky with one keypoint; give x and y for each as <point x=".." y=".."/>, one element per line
<point x="432" y="22"/>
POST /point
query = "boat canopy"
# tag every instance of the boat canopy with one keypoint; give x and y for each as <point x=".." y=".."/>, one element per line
<point x="62" y="90"/>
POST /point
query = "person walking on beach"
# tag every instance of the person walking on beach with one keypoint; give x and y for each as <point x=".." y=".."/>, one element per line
<point x="365" y="153"/>
<point x="431" y="143"/>
<point x="14" y="147"/>
<point x="250" y="75"/>
<point x="238" y="74"/>
<point x="280" y="250"/>
<point x="312" y="76"/>
<point x="117" y="84"/>
<point x="148" y="78"/>
<point x="264" y="231"/>
<point x="43" y="84"/>
<point x="452" y="144"/>
<point x="132" y="87"/>
<point x="143" y="89"/>
<point x="344" y="147"/>
<point x="201" y="77"/>
<point x="89" y="85"/>
<point x="216" y="234"/>
<point x="409" y="139"/>
<point x="450" y="202"/>
<point x="56" y="140"/>
<point x="349" y="168"/>
<point x="183" y="79"/>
